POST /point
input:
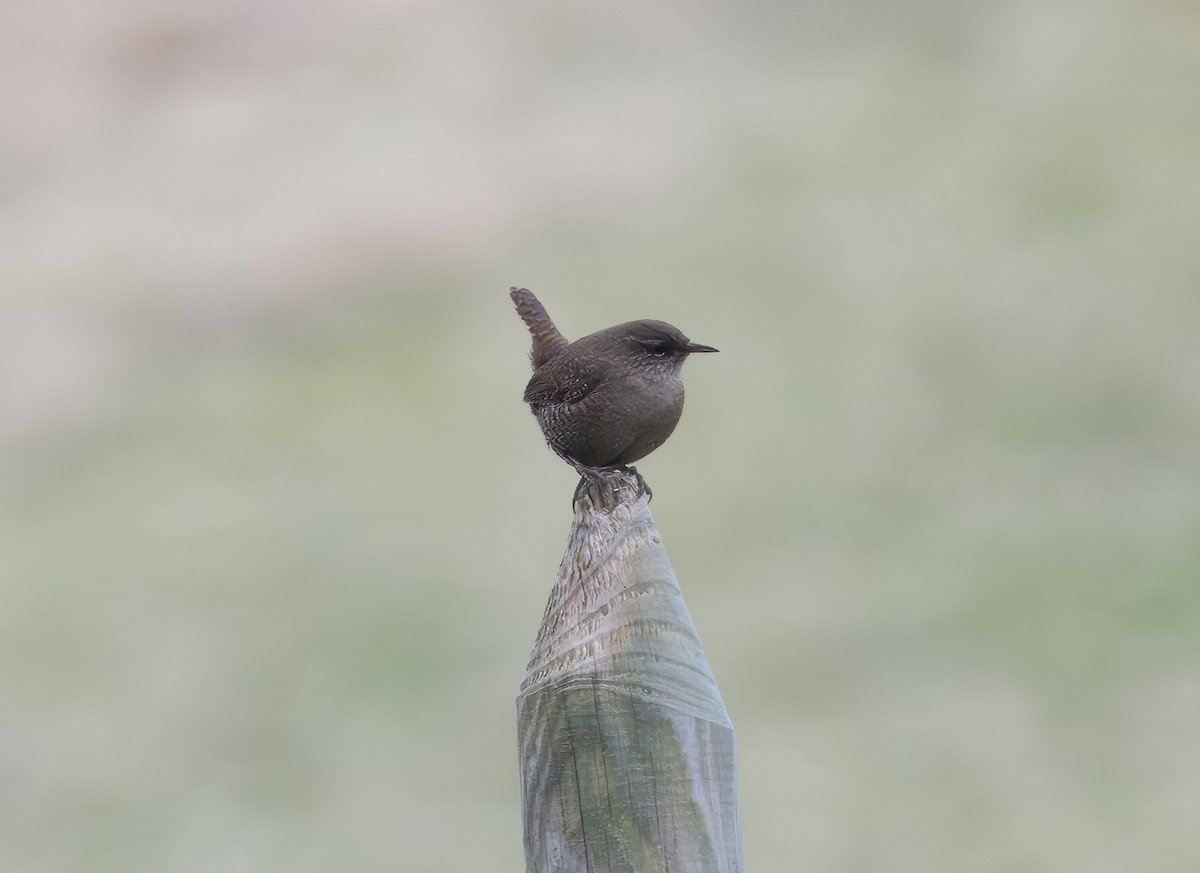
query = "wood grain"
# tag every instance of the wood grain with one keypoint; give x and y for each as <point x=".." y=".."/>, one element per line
<point x="626" y="748"/>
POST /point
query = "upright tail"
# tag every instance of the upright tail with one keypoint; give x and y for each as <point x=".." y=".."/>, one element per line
<point x="547" y="341"/>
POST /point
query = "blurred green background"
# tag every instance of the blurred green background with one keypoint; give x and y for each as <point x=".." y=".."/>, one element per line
<point x="276" y="531"/>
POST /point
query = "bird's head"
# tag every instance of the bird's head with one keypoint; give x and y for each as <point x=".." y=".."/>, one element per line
<point x="656" y="343"/>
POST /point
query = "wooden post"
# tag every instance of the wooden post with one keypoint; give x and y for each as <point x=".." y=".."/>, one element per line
<point x="626" y="749"/>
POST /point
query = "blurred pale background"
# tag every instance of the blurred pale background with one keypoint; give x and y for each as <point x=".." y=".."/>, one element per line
<point x="277" y="531"/>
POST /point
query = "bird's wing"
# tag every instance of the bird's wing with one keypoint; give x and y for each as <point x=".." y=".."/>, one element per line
<point x="564" y="385"/>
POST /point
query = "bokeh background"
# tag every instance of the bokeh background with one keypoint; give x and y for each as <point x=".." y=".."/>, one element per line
<point x="276" y="530"/>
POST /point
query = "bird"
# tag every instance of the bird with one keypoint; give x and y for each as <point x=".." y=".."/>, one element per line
<point x="609" y="398"/>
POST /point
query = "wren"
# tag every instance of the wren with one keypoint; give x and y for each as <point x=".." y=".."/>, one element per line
<point x="610" y="398"/>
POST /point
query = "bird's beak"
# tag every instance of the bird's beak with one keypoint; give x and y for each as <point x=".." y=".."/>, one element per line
<point x="697" y="347"/>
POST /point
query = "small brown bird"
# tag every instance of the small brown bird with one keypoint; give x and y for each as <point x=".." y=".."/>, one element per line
<point x="608" y="399"/>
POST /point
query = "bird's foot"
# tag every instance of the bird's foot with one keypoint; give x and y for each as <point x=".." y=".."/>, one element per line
<point x="609" y="479"/>
<point x="602" y="482"/>
<point x="642" y="486"/>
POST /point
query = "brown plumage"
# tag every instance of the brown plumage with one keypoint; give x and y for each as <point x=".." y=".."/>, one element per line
<point x="610" y="398"/>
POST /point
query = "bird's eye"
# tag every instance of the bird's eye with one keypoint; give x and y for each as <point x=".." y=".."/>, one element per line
<point x="659" y="350"/>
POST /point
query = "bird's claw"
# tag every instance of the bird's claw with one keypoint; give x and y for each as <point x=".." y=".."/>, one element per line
<point x="642" y="486"/>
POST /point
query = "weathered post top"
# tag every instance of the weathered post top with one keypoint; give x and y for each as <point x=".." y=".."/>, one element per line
<point x="626" y="748"/>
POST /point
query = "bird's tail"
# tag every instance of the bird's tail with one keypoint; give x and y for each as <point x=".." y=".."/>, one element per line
<point x="547" y="341"/>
